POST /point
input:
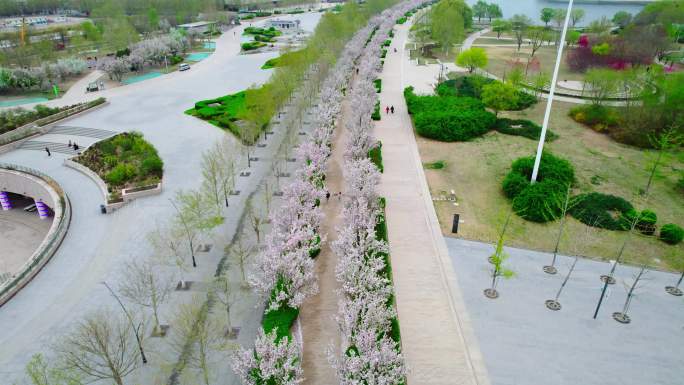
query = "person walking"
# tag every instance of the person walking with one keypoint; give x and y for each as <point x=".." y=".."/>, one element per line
<point x="392" y="109"/>
<point x="327" y="196"/>
<point x="386" y="110"/>
<point x="48" y="151"/>
<point x="69" y="143"/>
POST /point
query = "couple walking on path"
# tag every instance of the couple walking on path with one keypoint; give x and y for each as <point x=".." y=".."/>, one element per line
<point x="388" y="109"/>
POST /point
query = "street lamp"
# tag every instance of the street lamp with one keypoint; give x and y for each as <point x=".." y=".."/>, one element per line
<point x="552" y="91"/>
<point x="136" y="330"/>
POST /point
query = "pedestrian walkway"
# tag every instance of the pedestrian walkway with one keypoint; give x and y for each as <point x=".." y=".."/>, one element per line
<point x="82" y="131"/>
<point x="437" y="338"/>
<point x="39" y="145"/>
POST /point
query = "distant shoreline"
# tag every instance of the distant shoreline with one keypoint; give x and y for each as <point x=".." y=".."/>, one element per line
<point x="599" y="2"/>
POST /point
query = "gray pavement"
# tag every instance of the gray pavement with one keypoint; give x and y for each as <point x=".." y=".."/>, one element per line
<point x="525" y="343"/>
<point x="97" y="245"/>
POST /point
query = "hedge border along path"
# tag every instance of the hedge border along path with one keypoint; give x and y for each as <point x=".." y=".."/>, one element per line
<point x="543" y="200"/>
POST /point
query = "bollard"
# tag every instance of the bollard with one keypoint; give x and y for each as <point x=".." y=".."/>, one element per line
<point x="5" y="201"/>
<point x="454" y="226"/>
<point x="43" y="211"/>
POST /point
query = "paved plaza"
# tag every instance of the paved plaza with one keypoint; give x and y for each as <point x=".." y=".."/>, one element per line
<point x="525" y="343"/>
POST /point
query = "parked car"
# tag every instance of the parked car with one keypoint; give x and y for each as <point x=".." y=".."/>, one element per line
<point x="183" y="67"/>
<point x="92" y="87"/>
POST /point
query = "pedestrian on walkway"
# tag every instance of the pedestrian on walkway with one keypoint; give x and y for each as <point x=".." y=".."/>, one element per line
<point x="392" y="109"/>
<point x="395" y="50"/>
<point x="327" y="196"/>
<point x="75" y="146"/>
<point x="386" y="110"/>
<point x="69" y="143"/>
<point x="48" y="151"/>
<point x="339" y="195"/>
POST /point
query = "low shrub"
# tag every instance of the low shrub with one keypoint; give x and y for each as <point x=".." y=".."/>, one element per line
<point x="471" y="86"/>
<point x="597" y="117"/>
<point x="376" y="112"/>
<point x="375" y="155"/>
<point x="451" y="126"/>
<point x="436" y="165"/>
<point x="541" y="201"/>
<point x="671" y="233"/>
<point x="524" y="101"/>
<point x="265" y="39"/>
<point x="383" y="54"/>
<point x="522" y="127"/>
<point x="401" y="20"/>
<point x="387" y="43"/>
<point x="646" y="223"/>
<point x="601" y="210"/>
<point x="280" y="320"/>
<point x="252" y="45"/>
<point x="378" y="85"/>
<point x="17" y="117"/>
<point x="247" y="17"/>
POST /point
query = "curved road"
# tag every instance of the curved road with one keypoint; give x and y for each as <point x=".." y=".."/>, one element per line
<point x="97" y="245"/>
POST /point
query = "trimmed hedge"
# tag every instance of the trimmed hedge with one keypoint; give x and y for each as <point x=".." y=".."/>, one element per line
<point x="646" y="223"/>
<point x="281" y="320"/>
<point x="223" y="111"/>
<point x="378" y="85"/>
<point x="602" y="210"/>
<point x="671" y="233"/>
<point x="527" y="129"/>
<point x="542" y="201"/>
<point x="401" y="20"/>
<point x="252" y="45"/>
<point x="375" y="155"/>
<point x="448" y="118"/>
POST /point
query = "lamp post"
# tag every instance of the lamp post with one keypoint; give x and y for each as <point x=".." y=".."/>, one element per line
<point x="552" y="91"/>
<point x="136" y="330"/>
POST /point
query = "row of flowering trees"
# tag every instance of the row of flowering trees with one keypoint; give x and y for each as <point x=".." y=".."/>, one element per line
<point x="40" y="77"/>
<point x="370" y="352"/>
<point x="285" y="270"/>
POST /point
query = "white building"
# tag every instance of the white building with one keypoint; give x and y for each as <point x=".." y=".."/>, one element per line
<point x="284" y="25"/>
<point x="199" y="26"/>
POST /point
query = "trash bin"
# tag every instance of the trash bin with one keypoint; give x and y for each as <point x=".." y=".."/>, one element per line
<point x="454" y="225"/>
<point x="103" y="209"/>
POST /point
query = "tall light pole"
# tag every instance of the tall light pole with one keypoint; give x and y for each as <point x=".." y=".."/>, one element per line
<point x="552" y="91"/>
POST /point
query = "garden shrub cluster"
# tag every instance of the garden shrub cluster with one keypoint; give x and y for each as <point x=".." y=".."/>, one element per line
<point x="671" y="233"/>
<point x="597" y="117"/>
<point x="378" y="85"/>
<point x="471" y="86"/>
<point x="375" y="155"/>
<point x="125" y="160"/>
<point x="602" y="210"/>
<point x="381" y="234"/>
<point x="401" y="20"/>
<point x="376" y="112"/>
<point x="542" y="201"/>
<point x="448" y="118"/>
<point x="522" y="127"/>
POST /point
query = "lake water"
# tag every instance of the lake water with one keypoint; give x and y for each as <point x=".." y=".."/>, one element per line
<point x="532" y="8"/>
<point x="197" y="56"/>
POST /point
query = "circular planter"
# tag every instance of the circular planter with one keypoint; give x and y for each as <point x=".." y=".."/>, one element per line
<point x="491" y="293"/>
<point x="552" y="304"/>
<point x="610" y="279"/>
<point x="677" y="292"/>
<point x="621" y="318"/>
<point x="550" y="270"/>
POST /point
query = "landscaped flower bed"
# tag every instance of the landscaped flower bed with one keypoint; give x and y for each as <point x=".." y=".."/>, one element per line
<point x="124" y="161"/>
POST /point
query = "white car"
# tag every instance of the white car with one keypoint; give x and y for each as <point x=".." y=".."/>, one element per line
<point x="183" y="67"/>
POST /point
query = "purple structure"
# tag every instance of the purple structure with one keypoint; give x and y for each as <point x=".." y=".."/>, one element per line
<point x="43" y="210"/>
<point x="5" y="201"/>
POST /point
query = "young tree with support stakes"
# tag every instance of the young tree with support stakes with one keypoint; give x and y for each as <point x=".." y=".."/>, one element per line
<point x="101" y="347"/>
<point x="497" y="260"/>
<point x="225" y="294"/>
<point x="242" y="254"/>
<point x="622" y="316"/>
<point x="143" y="286"/>
<point x="551" y="269"/>
<point x="676" y="261"/>
<point x="662" y="143"/>
<point x="553" y="304"/>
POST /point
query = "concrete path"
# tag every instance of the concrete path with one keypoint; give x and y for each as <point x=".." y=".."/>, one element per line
<point x="96" y="245"/>
<point x="317" y="315"/>
<point x="78" y="90"/>
<point x="437" y="338"/>
<point x="525" y="343"/>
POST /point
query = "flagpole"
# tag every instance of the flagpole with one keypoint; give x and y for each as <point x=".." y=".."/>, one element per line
<point x="552" y="92"/>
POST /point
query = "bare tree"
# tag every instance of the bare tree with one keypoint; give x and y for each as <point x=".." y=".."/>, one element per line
<point x="194" y="217"/>
<point x="197" y="337"/>
<point x="169" y="249"/>
<point x="256" y="220"/>
<point x="102" y="347"/>
<point x="551" y="269"/>
<point x="40" y="372"/>
<point x="218" y="173"/>
<point x="144" y="287"/>
<point x="553" y="304"/>
<point x="226" y="296"/>
<point x="242" y="254"/>
<point x="662" y="143"/>
<point x="622" y="316"/>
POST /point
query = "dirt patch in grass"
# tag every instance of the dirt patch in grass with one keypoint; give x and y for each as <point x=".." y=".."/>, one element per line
<point x="477" y="168"/>
<point x="500" y="58"/>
